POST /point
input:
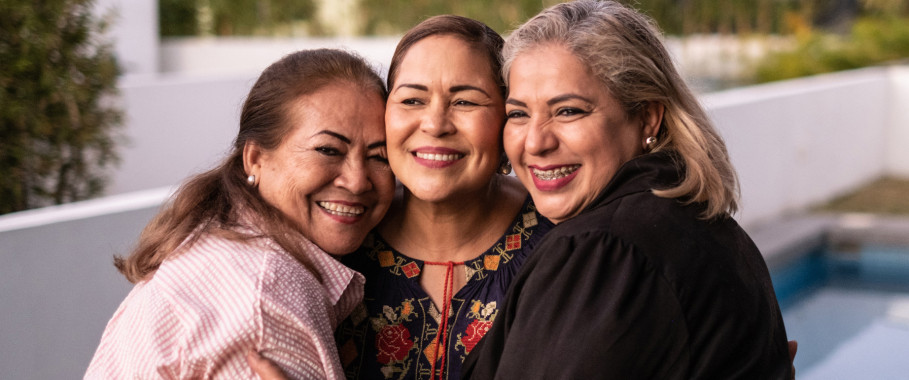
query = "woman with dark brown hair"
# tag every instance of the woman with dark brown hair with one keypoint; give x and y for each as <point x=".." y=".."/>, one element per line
<point x="459" y="228"/>
<point x="241" y="259"/>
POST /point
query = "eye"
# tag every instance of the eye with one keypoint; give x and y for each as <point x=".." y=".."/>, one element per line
<point x="379" y="158"/>
<point x="411" y="102"/>
<point x="514" y="114"/>
<point x="464" y="103"/>
<point x="328" y="151"/>
<point x="570" y="111"/>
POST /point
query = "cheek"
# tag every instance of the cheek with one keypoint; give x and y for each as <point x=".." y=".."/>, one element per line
<point x="396" y="126"/>
<point x="513" y="140"/>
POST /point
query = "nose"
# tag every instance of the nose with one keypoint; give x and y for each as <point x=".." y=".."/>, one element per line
<point x="354" y="176"/>
<point x="435" y="121"/>
<point x="540" y="139"/>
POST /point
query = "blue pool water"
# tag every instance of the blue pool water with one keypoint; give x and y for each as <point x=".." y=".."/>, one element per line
<point x="849" y="309"/>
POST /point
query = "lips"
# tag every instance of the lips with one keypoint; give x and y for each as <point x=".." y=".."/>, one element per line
<point x="342" y="210"/>
<point x="554" y="174"/>
<point x="436" y="157"/>
<point x="439" y="157"/>
<point x="553" y="178"/>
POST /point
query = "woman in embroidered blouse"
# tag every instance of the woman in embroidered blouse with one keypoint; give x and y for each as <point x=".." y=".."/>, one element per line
<point x="240" y="259"/>
<point x="458" y="229"/>
<point x="646" y="275"/>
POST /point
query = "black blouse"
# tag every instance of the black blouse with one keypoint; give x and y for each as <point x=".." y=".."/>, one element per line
<point x="638" y="287"/>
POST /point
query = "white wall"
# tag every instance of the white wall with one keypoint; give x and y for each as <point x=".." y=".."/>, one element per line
<point x="134" y="31"/>
<point x="797" y="143"/>
<point x="251" y="55"/>
<point x="175" y="127"/>
<point x="898" y="122"/>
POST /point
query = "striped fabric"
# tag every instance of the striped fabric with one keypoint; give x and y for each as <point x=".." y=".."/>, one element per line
<point x="203" y="310"/>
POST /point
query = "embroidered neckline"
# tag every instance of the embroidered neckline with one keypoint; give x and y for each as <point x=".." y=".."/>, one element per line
<point x="490" y="259"/>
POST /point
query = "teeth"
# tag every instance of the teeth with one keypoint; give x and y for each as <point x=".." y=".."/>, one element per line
<point x="341" y="210"/>
<point x="549" y="175"/>
<point x="439" y="157"/>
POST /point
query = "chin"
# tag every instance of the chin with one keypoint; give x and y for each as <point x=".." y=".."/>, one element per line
<point x="340" y="247"/>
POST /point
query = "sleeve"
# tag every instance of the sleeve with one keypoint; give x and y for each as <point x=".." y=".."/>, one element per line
<point x="295" y="324"/>
<point x="586" y="306"/>
<point x="140" y="341"/>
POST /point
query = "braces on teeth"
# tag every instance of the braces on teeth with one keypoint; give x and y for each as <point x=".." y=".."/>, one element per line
<point x="549" y="175"/>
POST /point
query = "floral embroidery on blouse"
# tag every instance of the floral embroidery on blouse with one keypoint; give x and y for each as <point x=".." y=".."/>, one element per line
<point x="394" y="333"/>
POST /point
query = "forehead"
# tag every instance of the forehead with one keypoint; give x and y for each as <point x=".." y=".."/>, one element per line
<point x="445" y="57"/>
<point x="552" y="68"/>
<point x="340" y="107"/>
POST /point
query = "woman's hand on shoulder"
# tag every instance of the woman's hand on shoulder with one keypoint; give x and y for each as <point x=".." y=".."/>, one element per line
<point x="266" y="369"/>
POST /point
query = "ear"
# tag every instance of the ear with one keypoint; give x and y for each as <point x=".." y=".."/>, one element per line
<point x="652" y="118"/>
<point x="252" y="158"/>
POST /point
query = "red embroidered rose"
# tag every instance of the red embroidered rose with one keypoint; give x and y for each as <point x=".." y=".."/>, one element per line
<point x="393" y="342"/>
<point x="475" y="332"/>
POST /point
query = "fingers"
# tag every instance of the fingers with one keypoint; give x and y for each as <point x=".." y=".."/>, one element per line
<point x="264" y="367"/>
<point x="793" y="348"/>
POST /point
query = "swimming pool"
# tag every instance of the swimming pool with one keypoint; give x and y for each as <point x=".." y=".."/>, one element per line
<point x="846" y="301"/>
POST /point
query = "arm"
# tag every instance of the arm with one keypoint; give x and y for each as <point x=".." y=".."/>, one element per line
<point x="587" y="308"/>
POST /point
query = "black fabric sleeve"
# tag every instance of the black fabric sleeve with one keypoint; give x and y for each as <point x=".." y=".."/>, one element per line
<point x="585" y="306"/>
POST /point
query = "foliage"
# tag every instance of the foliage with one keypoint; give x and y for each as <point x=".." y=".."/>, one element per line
<point x="872" y="40"/>
<point x="387" y="17"/>
<point x="395" y="17"/>
<point x="55" y="121"/>
<point x="231" y="17"/>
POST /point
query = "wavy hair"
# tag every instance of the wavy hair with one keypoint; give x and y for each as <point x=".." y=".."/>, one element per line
<point x="623" y="48"/>
<point x="211" y="202"/>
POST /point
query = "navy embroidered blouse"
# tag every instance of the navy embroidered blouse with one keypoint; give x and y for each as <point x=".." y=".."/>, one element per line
<point x="393" y="334"/>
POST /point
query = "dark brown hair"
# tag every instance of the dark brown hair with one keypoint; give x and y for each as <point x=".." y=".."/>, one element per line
<point x="211" y="202"/>
<point x="475" y="33"/>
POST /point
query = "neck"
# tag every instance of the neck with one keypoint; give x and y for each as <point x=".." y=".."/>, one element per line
<point x="456" y="229"/>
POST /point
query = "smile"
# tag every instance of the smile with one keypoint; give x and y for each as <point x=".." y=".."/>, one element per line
<point x="554" y="174"/>
<point x="341" y="210"/>
<point x="439" y="157"/>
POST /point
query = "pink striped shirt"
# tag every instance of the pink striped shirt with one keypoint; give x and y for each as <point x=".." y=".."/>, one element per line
<point x="204" y="309"/>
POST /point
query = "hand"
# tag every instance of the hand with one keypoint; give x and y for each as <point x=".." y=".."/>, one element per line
<point x="266" y="369"/>
<point x="793" y="347"/>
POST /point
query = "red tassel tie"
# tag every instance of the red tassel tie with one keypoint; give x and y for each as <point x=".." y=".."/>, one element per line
<point x="442" y="334"/>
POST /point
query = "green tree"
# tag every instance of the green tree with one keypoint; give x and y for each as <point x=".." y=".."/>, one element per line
<point x="57" y="120"/>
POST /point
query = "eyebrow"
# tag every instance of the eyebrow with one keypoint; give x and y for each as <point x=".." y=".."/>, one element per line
<point x="550" y="102"/>
<point x="377" y="144"/>
<point x="562" y="98"/>
<point x="335" y="135"/>
<point x="456" y="88"/>
<point x="466" y="87"/>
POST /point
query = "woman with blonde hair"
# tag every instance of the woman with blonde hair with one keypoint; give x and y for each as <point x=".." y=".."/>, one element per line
<point x="646" y="275"/>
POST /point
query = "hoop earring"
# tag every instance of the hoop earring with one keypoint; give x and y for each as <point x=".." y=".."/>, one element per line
<point x="505" y="167"/>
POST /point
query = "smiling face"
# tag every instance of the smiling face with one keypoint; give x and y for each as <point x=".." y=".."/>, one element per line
<point x="566" y="136"/>
<point x="444" y="120"/>
<point x="330" y="174"/>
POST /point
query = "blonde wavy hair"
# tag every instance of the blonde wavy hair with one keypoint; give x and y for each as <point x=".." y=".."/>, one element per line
<point x="623" y="48"/>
